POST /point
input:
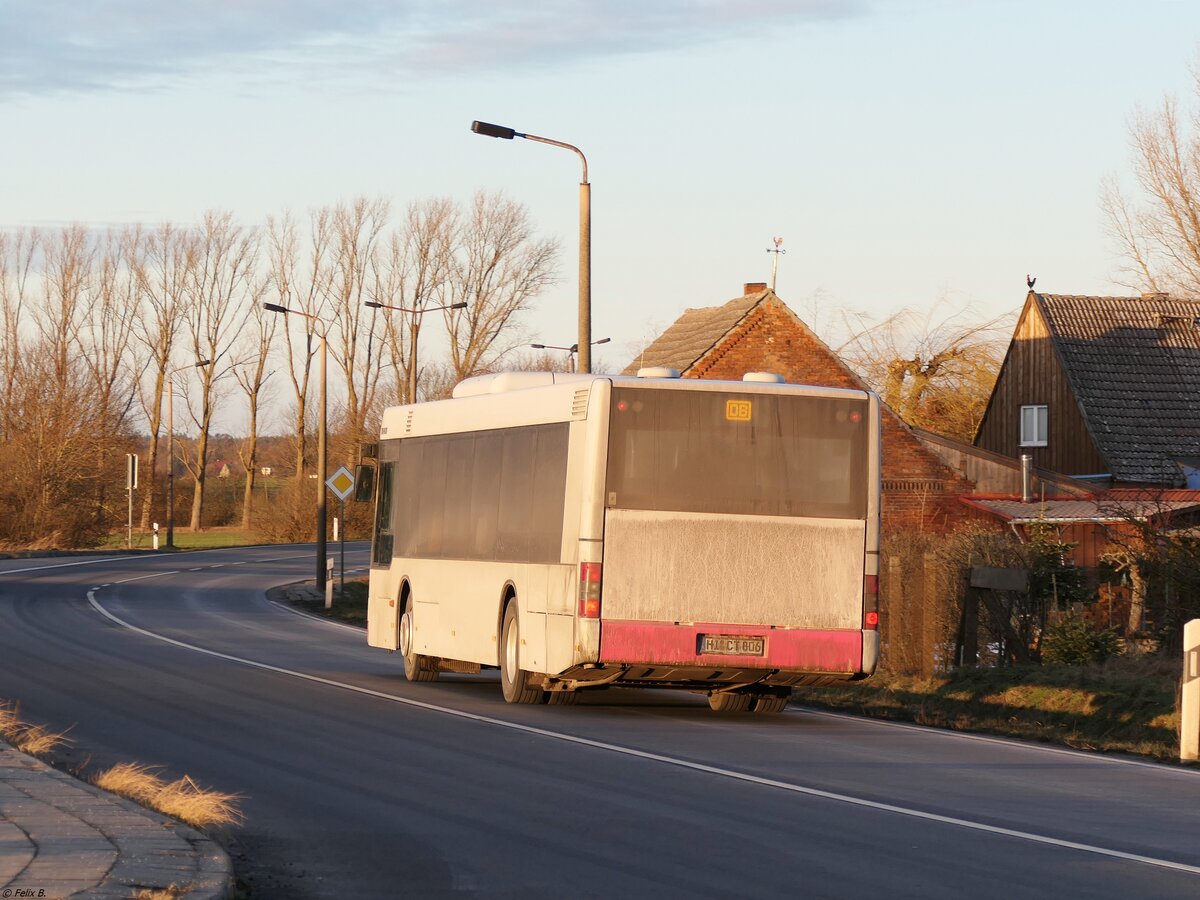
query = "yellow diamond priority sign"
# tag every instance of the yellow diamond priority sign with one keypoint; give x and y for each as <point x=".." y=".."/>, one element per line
<point x="341" y="483"/>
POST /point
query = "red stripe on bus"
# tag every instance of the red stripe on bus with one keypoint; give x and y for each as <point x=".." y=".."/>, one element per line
<point x="665" y="643"/>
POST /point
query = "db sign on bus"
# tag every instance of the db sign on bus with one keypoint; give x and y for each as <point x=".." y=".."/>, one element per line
<point x="737" y="410"/>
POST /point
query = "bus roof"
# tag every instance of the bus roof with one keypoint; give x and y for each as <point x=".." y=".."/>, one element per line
<point x="507" y="399"/>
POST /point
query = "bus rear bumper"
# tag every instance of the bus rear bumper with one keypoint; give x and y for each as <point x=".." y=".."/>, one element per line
<point x="828" y="652"/>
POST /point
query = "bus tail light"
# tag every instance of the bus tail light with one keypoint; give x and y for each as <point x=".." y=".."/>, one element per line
<point x="870" y="602"/>
<point x="589" y="590"/>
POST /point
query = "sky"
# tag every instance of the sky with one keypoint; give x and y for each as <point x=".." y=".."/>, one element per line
<point x="922" y="154"/>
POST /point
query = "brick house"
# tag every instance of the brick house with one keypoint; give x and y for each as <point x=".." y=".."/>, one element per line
<point x="757" y="332"/>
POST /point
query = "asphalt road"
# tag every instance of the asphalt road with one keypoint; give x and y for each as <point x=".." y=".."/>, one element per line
<point x="359" y="784"/>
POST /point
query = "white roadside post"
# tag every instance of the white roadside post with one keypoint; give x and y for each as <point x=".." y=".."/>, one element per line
<point x="1189" y="718"/>
<point x="131" y="483"/>
<point x="329" y="582"/>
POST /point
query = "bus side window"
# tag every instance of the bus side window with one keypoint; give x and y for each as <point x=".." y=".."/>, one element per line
<point x="382" y="544"/>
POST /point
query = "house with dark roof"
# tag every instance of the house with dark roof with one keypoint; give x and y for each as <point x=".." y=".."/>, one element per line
<point x="757" y="332"/>
<point x="1105" y="389"/>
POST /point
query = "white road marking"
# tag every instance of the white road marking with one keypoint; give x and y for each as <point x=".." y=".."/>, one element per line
<point x="151" y="575"/>
<point x="85" y="562"/>
<point x="667" y="760"/>
<point x="108" y="559"/>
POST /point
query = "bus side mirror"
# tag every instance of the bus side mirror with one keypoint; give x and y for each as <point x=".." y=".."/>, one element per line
<point x="364" y="483"/>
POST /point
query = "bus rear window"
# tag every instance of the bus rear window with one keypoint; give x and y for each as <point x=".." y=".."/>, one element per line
<point x="738" y="453"/>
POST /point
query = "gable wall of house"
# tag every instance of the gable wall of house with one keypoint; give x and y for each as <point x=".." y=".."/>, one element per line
<point x="1033" y="374"/>
<point x="919" y="490"/>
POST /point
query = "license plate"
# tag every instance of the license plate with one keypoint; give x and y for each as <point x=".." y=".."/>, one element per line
<point x="732" y="644"/>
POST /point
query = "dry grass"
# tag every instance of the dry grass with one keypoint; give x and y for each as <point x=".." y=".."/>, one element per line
<point x="171" y="892"/>
<point x="35" y="740"/>
<point x="1125" y="705"/>
<point x="182" y="799"/>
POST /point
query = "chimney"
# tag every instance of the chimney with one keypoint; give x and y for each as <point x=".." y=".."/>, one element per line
<point x="1155" y="295"/>
<point x="754" y="287"/>
<point x="1026" y="478"/>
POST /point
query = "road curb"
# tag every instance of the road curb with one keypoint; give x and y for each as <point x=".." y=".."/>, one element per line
<point x="66" y="836"/>
<point x="289" y="595"/>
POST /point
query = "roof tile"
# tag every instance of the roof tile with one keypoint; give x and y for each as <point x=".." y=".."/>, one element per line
<point x="1134" y="365"/>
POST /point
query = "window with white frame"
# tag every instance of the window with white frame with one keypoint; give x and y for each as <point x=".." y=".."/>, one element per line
<point x="1034" y="423"/>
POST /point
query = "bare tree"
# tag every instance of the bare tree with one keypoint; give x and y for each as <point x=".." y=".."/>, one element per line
<point x="160" y="261"/>
<point x="220" y="289"/>
<point x="934" y="374"/>
<point x="358" y="228"/>
<point x="17" y="253"/>
<point x="299" y="278"/>
<point x="499" y="266"/>
<point x="105" y="341"/>
<point x="1158" y="235"/>
<point x="69" y="256"/>
<point x="410" y="274"/>
<point x="252" y="375"/>
<point x="59" y="429"/>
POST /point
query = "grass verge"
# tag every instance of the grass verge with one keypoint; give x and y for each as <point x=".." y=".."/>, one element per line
<point x="182" y="799"/>
<point x="1126" y="705"/>
<point x="185" y="539"/>
<point x="350" y="606"/>
<point x="36" y="740"/>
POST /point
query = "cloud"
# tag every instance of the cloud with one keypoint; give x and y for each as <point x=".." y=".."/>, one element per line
<point x="83" y="46"/>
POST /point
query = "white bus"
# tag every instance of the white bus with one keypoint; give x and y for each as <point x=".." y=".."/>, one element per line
<point x="580" y="531"/>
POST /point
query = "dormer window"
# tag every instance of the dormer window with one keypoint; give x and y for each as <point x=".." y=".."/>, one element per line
<point x="1034" y="425"/>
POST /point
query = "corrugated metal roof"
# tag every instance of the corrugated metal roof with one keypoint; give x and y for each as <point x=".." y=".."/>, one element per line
<point x="1062" y="511"/>
<point x="1134" y="365"/>
<point x="694" y="333"/>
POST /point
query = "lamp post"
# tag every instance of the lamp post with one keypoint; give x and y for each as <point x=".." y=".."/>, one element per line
<point x="321" y="438"/>
<point x="572" y="350"/>
<point x="415" y="330"/>
<point x="585" y="233"/>
<point x="171" y="447"/>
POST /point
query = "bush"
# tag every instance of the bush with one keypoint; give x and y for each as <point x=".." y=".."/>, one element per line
<point x="1075" y="642"/>
<point x="290" y="516"/>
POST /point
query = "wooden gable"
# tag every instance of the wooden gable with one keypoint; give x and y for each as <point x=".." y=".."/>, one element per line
<point x="1033" y="374"/>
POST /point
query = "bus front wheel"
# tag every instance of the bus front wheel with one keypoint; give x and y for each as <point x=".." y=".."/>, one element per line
<point x="514" y="681"/>
<point x="416" y="666"/>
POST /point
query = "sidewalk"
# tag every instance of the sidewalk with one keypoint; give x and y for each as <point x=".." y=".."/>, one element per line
<point x="61" y="837"/>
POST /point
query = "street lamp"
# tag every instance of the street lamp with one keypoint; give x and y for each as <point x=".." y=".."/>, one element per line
<point x="171" y="447"/>
<point x="321" y="440"/>
<point x="573" y="349"/>
<point x="585" y="234"/>
<point x="415" y="331"/>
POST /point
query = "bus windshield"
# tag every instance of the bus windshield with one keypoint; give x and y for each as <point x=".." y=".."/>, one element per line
<point x="737" y="453"/>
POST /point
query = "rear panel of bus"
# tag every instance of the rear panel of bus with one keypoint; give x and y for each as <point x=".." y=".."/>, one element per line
<point x="740" y="533"/>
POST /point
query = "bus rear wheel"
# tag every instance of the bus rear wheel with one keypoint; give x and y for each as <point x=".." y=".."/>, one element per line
<point x="514" y="681"/>
<point x="416" y="666"/>
<point x="768" y="705"/>
<point x="562" y="698"/>
<point x="729" y="703"/>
